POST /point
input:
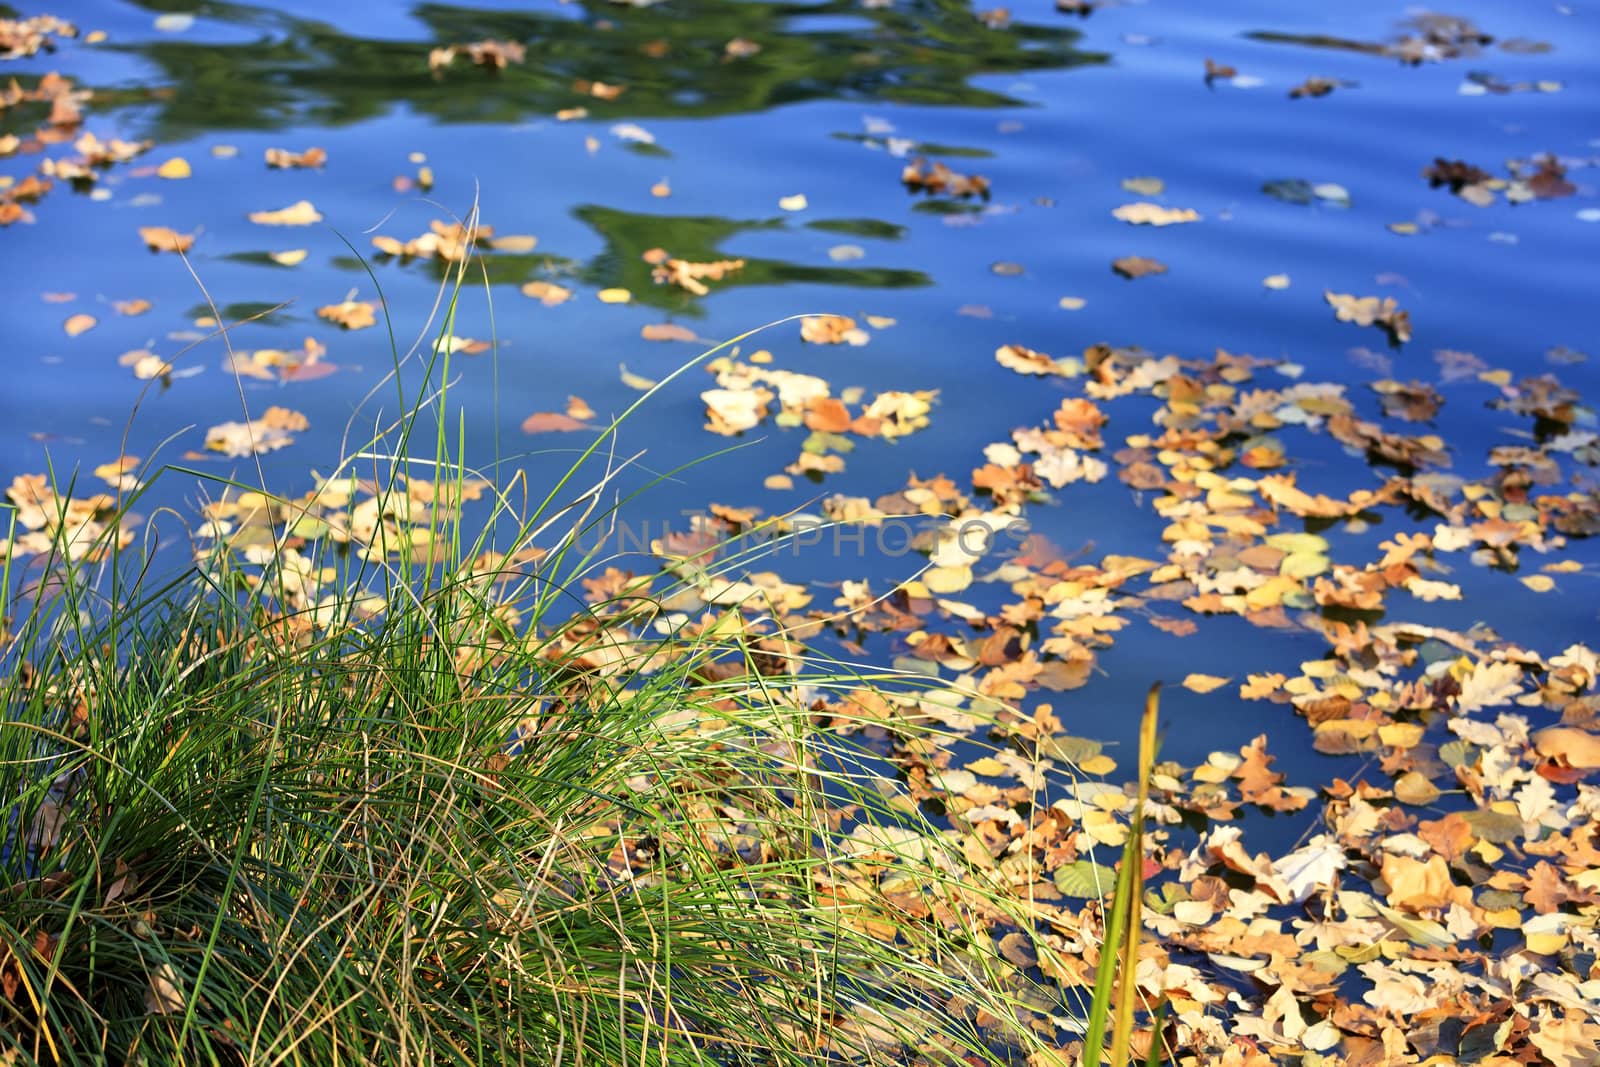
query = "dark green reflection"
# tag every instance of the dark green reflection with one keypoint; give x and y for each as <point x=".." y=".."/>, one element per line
<point x="670" y="57"/>
<point x="629" y="235"/>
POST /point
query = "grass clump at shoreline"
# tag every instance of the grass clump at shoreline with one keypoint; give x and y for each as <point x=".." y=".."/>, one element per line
<point x="357" y="788"/>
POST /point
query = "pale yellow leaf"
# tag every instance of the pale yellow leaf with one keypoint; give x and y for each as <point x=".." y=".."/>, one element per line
<point x="299" y="213"/>
<point x="1204" y="683"/>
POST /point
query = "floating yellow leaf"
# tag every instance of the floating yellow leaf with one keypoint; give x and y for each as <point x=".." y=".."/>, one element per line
<point x="299" y="213"/>
<point x="552" y="422"/>
<point x="176" y="167"/>
<point x="351" y="314"/>
<point x="635" y="381"/>
<point x="311" y="157"/>
<point x="832" y="330"/>
<point x="119" y="473"/>
<point x="1204" y="683"/>
<point x="614" y="296"/>
<point x="275" y="429"/>
<point x="1144" y="213"/>
<point x="547" y="293"/>
<point x="1100" y="763"/>
<point x="165" y="239"/>
<point x="1539" y="583"/>
<point x="1072" y="303"/>
<point x="666" y="331"/>
<point x="289" y="257"/>
<point x="514" y="243"/>
<point x="79" y="323"/>
<point x="947" y="579"/>
<point x="1144" y="186"/>
<point x="797" y="202"/>
<point x="1276" y="281"/>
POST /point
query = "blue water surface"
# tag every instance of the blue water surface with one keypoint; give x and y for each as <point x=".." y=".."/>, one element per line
<point x="1053" y="109"/>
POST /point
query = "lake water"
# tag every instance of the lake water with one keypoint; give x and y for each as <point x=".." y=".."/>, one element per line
<point x="1056" y="111"/>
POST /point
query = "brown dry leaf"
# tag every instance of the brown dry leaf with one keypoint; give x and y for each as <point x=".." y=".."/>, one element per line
<point x="547" y="293"/>
<point x="1137" y="266"/>
<point x="1371" y="311"/>
<point x="688" y="276"/>
<point x="828" y="414"/>
<point x="937" y="179"/>
<point x="351" y="314"/>
<point x="1415" y="789"/>
<point x="164" y="997"/>
<point x="578" y="408"/>
<point x="1571" y="1041"/>
<point x="1027" y="361"/>
<point x="1313" y="87"/>
<point x="165" y="239"/>
<point x="552" y="422"/>
<point x="1144" y="213"/>
<point x="299" y="213"/>
<point x="283" y="158"/>
<point x="79" y="323"/>
<point x="666" y="331"/>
